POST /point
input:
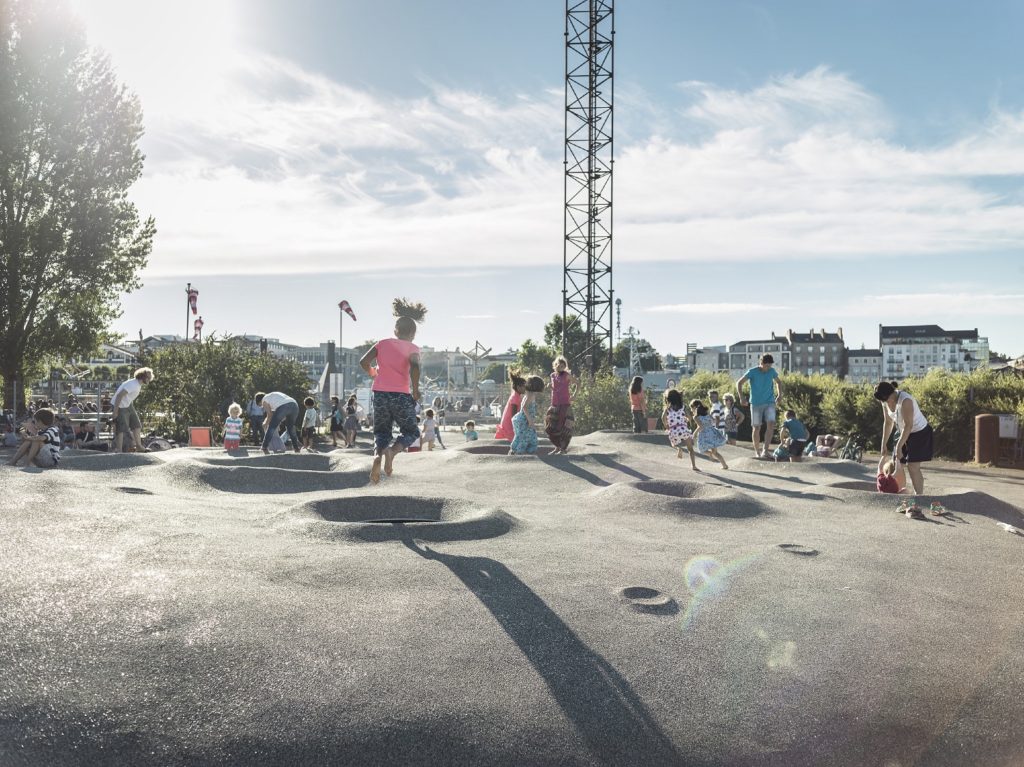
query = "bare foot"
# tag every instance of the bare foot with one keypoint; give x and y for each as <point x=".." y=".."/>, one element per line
<point x="389" y="460"/>
<point x="375" y="470"/>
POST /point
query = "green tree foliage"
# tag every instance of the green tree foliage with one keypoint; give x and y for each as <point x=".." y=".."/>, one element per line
<point x="575" y="338"/>
<point x="193" y="380"/>
<point x="496" y="371"/>
<point x="649" y="357"/>
<point x="534" y="359"/>
<point x="70" y="241"/>
<point x="600" y="402"/>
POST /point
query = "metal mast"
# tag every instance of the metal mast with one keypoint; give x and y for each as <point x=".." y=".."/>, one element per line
<point x="589" y="94"/>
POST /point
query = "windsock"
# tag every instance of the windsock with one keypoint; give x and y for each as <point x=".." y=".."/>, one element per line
<point x="193" y="297"/>
<point x="345" y="307"/>
<point x="198" y="325"/>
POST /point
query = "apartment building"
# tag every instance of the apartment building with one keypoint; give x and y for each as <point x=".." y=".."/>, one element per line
<point x="817" y="352"/>
<point x="913" y="350"/>
<point x="864" y="365"/>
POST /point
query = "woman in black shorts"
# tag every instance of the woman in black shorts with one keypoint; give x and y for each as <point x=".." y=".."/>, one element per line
<point x="914" y="445"/>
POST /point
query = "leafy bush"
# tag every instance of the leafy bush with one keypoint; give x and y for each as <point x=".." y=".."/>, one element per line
<point x="192" y="380"/>
<point x="600" y="402"/>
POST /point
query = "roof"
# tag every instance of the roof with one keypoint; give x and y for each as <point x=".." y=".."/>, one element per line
<point x="864" y="353"/>
<point x="806" y="338"/>
<point x="782" y="340"/>
<point x="911" y="331"/>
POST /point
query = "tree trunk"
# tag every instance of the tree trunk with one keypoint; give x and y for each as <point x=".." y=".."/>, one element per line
<point x="13" y="386"/>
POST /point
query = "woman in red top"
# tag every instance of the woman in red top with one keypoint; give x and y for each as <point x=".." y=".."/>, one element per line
<point x="638" y="404"/>
<point x="398" y="365"/>
<point x="558" y="423"/>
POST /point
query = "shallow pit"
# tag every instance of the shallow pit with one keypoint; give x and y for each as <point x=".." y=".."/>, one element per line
<point x="500" y="450"/>
<point x="648" y="600"/>
<point x="379" y="518"/>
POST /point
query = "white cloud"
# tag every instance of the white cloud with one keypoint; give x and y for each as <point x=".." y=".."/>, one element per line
<point x="256" y="165"/>
<point x="912" y="307"/>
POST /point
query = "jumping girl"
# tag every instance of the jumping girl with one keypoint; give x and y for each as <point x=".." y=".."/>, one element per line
<point x="708" y="437"/>
<point x="512" y="407"/>
<point x="397" y="365"/>
<point x="558" y="423"/>
<point x="678" y="424"/>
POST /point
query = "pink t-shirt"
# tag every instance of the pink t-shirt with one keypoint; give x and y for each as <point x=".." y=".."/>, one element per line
<point x="505" y="430"/>
<point x="560" y="389"/>
<point x="393" y="365"/>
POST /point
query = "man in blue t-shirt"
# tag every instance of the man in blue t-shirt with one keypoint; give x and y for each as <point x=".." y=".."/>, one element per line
<point x="765" y="393"/>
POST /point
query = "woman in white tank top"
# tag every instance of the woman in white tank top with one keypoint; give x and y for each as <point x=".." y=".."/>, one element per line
<point x="901" y="412"/>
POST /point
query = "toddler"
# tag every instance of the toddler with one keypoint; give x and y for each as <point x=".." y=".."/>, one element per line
<point x="429" y="429"/>
<point x="707" y="437"/>
<point x="336" y="422"/>
<point x="470" y="431"/>
<point x="886" y="481"/>
<point x="524" y="423"/>
<point x="309" y="423"/>
<point x="678" y="425"/>
<point x="233" y="427"/>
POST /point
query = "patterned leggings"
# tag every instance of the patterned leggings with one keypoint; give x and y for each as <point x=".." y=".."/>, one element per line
<point x="390" y="408"/>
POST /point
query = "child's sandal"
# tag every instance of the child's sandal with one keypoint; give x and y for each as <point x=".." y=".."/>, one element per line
<point x="937" y="509"/>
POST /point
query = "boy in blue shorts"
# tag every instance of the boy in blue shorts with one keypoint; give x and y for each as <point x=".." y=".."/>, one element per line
<point x="765" y="393"/>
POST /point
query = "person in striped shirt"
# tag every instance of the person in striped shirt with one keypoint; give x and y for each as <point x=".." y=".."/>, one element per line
<point x="43" y="448"/>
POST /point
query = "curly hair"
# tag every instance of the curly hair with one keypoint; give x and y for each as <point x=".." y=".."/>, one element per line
<point x="403" y="307"/>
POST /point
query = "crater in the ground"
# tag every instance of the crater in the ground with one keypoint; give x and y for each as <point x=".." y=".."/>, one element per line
<point x="856" y="485"/>
<point x="135" y="490"/>
<point x="394" y="518"/>
<point x="647" y="600"/>
<point x="678" y="498"/>
<point x="500" y="450"/>
<point x="245" y="478"/>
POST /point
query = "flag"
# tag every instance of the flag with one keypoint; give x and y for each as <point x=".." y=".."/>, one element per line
<point x="345" y="307"/>
<point x="193" y="297"/>
<point x="198" y="325"/>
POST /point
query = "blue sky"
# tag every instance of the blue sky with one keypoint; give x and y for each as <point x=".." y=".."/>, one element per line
<point x="783" y="165"/>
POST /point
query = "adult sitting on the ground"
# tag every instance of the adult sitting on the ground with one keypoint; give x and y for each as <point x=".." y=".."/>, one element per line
<point x="279" y="408"/>
<point x="914" y="445"/>
<point x="765" y="393"/>
<point x="126" y="418"/>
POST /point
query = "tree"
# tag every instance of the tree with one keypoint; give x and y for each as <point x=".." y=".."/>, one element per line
<point x="649" y="357"/>
<point x="575" y="339"/>
<point x="193" y="379"/>
<point x="532" y="358"/>
<point x="70" y="241"/>
<point x="496" y="371"/>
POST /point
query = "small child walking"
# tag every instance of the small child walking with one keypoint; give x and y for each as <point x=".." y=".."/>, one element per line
<point x="638" y="405"/>
<point x="396" y="386"/>
<point x="707" y="437"/>
<point x="524" y="423"/>
<point x="731" y="417"/>
<point x="351" y="424"/>
<point x="233" y="427"/>
<point x="469" y="430"/>
<point x="558" y="423"/>
<point x="678" y="425"/>
<point x="309" y="423"/>
<point x="336" y="420"/>
<point x="429" y="428"/>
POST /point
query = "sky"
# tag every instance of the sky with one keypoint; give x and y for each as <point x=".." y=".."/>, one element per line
<point x="784" y="165"/>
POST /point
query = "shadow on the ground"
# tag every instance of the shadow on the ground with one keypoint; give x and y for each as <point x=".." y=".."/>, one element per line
<point x="731" y="480"/>
<point x="608" y="715"/>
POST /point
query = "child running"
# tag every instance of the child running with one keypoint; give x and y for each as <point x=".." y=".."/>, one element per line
<point x="638" y="405"/>
<point x="513" y="406"/>
<point x="678" y="425"/>
<point x="309" y="423"/>
<point x="558" y="423"/>
<point x="233" y="427"/>
<point x="396" y="373"/>
<point x="707" y="436"/>
<point x="469" y="430"/>
<point x="524" y="423"/>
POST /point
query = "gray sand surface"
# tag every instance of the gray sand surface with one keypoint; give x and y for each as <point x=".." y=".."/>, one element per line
<point x="606" y="607"/>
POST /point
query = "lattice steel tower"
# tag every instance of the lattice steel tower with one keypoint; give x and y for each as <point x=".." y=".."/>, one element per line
<point x="587" y="283"/>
